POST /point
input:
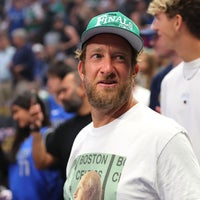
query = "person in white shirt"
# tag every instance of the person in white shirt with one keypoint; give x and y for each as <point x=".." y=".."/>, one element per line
<point x="178" y="27"/>
<point x="6" y="53"/>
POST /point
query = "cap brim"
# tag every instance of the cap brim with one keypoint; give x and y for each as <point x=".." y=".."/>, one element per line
<point x="135" y="41"/>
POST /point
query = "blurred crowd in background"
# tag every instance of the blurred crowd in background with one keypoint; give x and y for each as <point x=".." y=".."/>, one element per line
<point x="36" y="34"/>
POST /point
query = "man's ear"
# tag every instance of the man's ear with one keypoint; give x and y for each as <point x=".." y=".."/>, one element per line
<point x="136" y="70"/>
<point x="178" y="21"/>
<point x="80" y="69"/>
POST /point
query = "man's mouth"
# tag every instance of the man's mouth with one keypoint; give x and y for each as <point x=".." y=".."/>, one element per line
<point x="107" y="82"/>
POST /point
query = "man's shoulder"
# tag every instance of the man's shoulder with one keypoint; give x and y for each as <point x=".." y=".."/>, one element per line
<point x="75" y="122"/>
<point x="154" y="122"/>
<point x="174" y="75"/>
<point x="176" y="71"/>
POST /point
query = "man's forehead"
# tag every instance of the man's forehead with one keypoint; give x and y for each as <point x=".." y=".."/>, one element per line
<point x="108" y="40"/>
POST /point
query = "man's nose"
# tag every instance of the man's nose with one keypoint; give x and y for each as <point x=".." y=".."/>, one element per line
<point x="107" y="65"/>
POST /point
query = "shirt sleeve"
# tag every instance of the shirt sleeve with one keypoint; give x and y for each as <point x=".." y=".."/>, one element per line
<point x="178" y="171"/>
<point x="51" y="143"/>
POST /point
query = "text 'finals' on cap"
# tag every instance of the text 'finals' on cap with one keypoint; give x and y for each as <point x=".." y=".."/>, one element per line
<point x="114" y="23"/>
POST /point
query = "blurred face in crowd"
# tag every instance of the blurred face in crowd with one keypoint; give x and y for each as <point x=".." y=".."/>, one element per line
<point x="53" y="84"/>
<point x="58" y="24"/>
<point x="107" y="71"/>
<point x="18" y="41"/>
<point x="70" y="94"/>
<point x="21" y="116"/>
<point x="51" y="50"/>
<point x="147" y="62"/>
<point x="19" y="4"/>
<point x="4" y="42"/>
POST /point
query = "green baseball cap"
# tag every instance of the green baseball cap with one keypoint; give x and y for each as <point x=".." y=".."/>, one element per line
<point x="115" y="23"/>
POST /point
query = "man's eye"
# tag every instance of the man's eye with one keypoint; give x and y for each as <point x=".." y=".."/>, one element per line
<point x="120" y="57"/>
<point x="97" y="55"/>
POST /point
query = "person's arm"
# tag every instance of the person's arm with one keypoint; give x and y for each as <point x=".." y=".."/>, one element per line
<point x="41" y="157"/>
<point x="71" y="32"/>
<point x="3" y="167"/>
<point x="178" y="174"/>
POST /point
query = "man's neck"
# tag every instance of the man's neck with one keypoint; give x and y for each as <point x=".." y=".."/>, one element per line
<point x="102" y="117"/>
<point x="175" y="59"/>
<point x="189" y="50"/>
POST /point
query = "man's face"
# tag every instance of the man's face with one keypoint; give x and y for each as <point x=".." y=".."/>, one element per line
<point x="165" y="28"/>
<point x="69" y="94"/>
<point x="107" y="71"/>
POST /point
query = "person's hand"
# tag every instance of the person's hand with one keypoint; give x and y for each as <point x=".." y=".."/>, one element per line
<point x="5" y="194"/>
<point x="36" y="118"/>
<point x="17" y="71"/>
<point x="158" y="109"/>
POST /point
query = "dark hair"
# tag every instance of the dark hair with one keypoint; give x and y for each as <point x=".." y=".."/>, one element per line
<point x="59" y="69"/>
<point x="189" y="11"/>
<point x="24" y="101"/>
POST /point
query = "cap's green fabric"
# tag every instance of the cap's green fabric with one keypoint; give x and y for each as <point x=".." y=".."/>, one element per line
<point x="115" y="23"/>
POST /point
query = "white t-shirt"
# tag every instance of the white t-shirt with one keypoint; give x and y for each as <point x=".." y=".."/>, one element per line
<point x="140" y="155"/>
<point x="180" y="99"/>
<point x="141" y="94"/>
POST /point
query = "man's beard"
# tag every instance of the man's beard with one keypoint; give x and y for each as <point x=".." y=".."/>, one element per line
<point x="73" y="104"/>
<point x="108" y="98"/>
